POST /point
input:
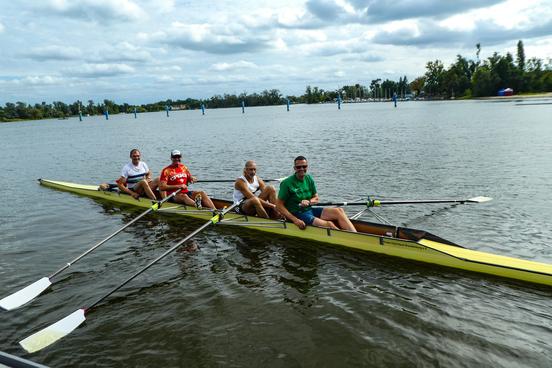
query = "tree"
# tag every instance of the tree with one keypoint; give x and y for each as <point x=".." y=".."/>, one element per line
<point x="520" y="59"/>
<point x="434" y="77"/>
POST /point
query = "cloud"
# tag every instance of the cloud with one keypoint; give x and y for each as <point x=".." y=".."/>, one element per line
<point x="239" y="65"/>
<point x="101" y="70"/>
<point x="429" y="34"/>
<point x="333" y="12"/>
<point x="123" y="52"/>
<point x="215" y="39"/>
<point x="1" y="28"/>
<point x="33" y="80"/>
<point x="54" y="52"/>
<point x="99" y="11"/>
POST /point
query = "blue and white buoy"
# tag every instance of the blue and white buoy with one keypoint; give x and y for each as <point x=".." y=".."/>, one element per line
<point x="288" y="103"/>
<point x="135" y="112"/>
<point x="202" y="109"/>
<point x="243" y="107"/>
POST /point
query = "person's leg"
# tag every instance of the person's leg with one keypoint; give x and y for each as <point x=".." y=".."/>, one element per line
<point x="205" y="200"/>
<point x="184" y="199"/>
<point x="324" y="223"/>
<point x="309" y="218"/>
<point x="338" y="215"/>
<point x="253" y="206"/>
<point x="269" y="194"/>
<point x="143" y="188"/>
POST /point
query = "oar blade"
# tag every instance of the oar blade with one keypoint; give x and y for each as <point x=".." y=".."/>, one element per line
<point x="479" y="199"/>
<point x="48" y="335"/>
<point x="26" y="294"/>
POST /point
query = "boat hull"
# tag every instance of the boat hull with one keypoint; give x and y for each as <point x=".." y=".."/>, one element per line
<point x="388" y="240"/>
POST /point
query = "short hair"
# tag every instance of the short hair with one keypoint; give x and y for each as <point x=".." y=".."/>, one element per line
<point x="134" y="150"/>
<point x="299" y="158"/>
<point x="249" y="163"/>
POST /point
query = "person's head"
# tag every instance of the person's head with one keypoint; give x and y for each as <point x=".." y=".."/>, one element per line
<point x="135" y="156"/>
<point x="176" y="156"/>
<point x="300" y="166"/>
<point x="250" y="169"/>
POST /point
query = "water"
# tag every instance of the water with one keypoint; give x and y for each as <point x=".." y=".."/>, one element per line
<point x="249" y="299"/>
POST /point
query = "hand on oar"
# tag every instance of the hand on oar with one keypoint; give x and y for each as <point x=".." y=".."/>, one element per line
<point x="63" y="327"/>
<point x="279" y="180"/>
<point x="377" y="203"/>
<point x="33" y="290"/>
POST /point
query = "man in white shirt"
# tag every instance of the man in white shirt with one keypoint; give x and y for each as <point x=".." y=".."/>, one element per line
<point x="135" y="178"/>
<point x="246" y="185"/>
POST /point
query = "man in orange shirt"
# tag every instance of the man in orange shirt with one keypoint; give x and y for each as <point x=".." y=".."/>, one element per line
<point x="177" y="176"/>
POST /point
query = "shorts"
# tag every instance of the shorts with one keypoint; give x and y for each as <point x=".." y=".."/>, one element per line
<point x="309" y="215"/>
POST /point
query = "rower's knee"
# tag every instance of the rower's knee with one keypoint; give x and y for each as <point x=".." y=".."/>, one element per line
<point x="270" y="189"/>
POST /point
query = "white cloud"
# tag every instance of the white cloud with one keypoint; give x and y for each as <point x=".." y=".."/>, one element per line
<point x="242" y="64"/>
<point x="101" y="70"/>
<point x="100" y="11"/>
<point x="1" y="28"/>
<point x="216" y="39"/>
<point x="54" y="52"/>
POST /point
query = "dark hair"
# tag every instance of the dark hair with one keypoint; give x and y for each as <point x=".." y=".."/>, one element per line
<point x="134" y="150"/>
<point x="299" y="158"/>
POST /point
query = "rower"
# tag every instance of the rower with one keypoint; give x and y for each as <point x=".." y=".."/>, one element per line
<point x="177" y="176"/>
<point x="136" y="179"/>
<point x="245" y="187"/>
<point x="298" y="194"/>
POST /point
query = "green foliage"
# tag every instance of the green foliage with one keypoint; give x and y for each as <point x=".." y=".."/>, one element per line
<point x="466" y="78"/>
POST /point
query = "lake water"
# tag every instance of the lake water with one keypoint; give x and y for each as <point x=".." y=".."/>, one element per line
<point x="248" y="299"/>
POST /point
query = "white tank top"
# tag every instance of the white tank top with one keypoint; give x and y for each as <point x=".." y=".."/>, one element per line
<point x="238" y="196"/>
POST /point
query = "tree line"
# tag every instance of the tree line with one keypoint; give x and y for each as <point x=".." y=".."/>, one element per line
<point x="465" y="78"/>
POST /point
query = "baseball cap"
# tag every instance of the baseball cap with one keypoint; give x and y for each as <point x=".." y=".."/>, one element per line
<point x="175" y="153"/>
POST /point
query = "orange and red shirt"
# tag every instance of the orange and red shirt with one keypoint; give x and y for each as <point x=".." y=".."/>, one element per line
<point x="176" y="175"/>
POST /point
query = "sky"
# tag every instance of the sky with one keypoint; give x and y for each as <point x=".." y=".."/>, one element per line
<point x="141" y="51"/>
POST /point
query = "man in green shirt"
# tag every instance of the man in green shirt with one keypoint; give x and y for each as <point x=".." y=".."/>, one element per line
<point x="297" y="195"/>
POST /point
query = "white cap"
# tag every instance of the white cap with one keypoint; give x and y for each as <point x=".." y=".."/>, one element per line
<point x="175" y="153"/>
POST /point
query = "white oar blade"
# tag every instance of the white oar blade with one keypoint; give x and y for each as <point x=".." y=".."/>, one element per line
<point x="47" y="336"/>
<point x="26" y="294"/>
<point x="480" y="199"/>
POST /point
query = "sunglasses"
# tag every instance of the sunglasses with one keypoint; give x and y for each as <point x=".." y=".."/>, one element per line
<point x="298" y="167"/>
<point x="136" y="156"/>
<point x="176" y="157"/>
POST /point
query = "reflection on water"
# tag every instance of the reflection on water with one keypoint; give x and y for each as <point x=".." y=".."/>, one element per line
<point x="244" y="298"/>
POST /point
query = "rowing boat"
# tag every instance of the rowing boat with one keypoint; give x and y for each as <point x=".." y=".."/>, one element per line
<point x="412" y="244"/>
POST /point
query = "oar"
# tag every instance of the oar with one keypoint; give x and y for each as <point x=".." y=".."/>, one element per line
<point x="63" y="327"/>
<point x="377" y="202"/>
<point x="279" y="180"/>
<point x="33" y="290"/>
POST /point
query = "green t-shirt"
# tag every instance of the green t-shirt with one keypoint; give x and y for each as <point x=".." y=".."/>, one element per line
<point x="293" y="191"/>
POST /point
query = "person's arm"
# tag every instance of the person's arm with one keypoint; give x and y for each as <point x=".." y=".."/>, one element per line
<point x="280" y="206"/>
<point x="243" y="188"/>
<point x="310" y="202"/>
<point x="164" y="186"/>
<point x="121" y="184"/>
